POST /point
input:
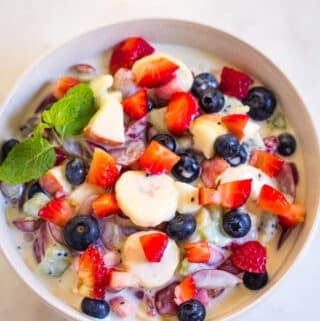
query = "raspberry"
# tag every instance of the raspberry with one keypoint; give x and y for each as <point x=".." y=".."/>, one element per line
<point x="235" y="83"/>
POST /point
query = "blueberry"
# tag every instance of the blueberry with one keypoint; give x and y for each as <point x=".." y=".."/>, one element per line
<point x="202" y="82"/>
<point x="76" y="171"/>
<point x="240" y="158"/>
<point x="236" y="223"/>
<point x="287" y="144"/>
<point x="191" y="310"/>
<point x="226" y="146"/>
<point x="211" y="100"/>
<point x="181" y="227"/>
<point x="166" y="140"/>
<point x="255" y="281"/>
<point x="187" y="169"/>
<point x="34" y="189"/>
<point x="262" y="103"/>
<point x="7" y="146"/>
<point x="81" y="231"/>
<point x="95" y="308"/>
<point x="151" y="104"/>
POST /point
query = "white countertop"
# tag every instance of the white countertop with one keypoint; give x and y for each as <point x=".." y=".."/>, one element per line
<point x="287" y="31"/>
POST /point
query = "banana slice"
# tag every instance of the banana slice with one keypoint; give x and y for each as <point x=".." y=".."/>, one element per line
<point x="150" y="275"/>
<point x="148" y="200"/>
<point x="188" y="198"/>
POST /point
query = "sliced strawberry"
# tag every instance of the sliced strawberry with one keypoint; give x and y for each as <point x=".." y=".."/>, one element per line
<point x="235" y="124"/>
<point x="121" y="279"/>
<point x="182" y="110"/>
<point x="235" y="83"/>
<point x="136" y="106"/>
<point x="63" y="85"/>
<point x="127" y="52"/>
<point x="157" y="159"/>
<point x="272" y="200"/>
<point x="209" y="196"/>
<point x="58" y="211"/>
<point x="251" y="257"/>
<point x="185" y="290"/>
<point x="198" y="252"/>
<point x="103" y="170"/>
<point x="92" y="274"/>
<point x="154" y="245"/>
<point x="268" y="163"/>
<point x="212" y="169"/>
<point x="105" y="205"/>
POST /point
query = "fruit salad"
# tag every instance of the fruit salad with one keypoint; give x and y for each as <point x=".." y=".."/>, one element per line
<point x="151" y="188"/>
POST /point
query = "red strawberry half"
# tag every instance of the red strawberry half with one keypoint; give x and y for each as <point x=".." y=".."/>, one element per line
<point x="154" y="245"/>
<point x="136" y="106"/>
<point x="105" y="205"/>
<point x="185" y="291"/>
<point x="198" y="252"/>
<point x="127" y="52"/>
<point x="63" y="85"/>
<point x="235" y="124"/>
<point x="251" y="257"/>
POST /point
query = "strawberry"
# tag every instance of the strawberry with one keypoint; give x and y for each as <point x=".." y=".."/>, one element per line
<point x="268" y="163"/>
<point x="157" y="159"/>
<point x="92" y="274"/>
<point x="198" y="252"/>
<point x="212" y="169"/>
<point x="105" y="205"/>
<point x="58" y="211"/>
<point x="272" y="200"/>
<point x="136" y="106"/>
<point x="235" y="83"/>
<point x="235" y="124"/>
<point x="251" y="257"/>
<point x="127" y="52"/>
<point x="182" y="110"/>
<point x="103" y="169"/>
<point x="63" y="85"/>
<point x="185" y="290"/>
<point x="209" y="196"/>
<point x="154" y="245"/>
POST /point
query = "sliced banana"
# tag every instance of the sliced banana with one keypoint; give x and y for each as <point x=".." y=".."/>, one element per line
<point x="150" y="275"/>
<point x="147" y="200"/>
<point x="188" y="198"/>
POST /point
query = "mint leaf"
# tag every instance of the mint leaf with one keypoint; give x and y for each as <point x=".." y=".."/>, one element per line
<point x="27" y="160"/>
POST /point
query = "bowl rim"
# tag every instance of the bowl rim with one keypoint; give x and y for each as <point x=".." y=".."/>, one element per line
<point x="158" y="20"/>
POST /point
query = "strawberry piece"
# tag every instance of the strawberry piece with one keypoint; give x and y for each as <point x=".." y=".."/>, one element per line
<point x="272" y="200"/>
<point x="58" y="211"/>
<point x="268" y="163"/>
<point x="136" y="106"/>
<point x="63" y="85"/>
<point x="185" y="290"/>
<point x="103" y="169"/>
<point x="156" y="72"/>
<point x="209" y="196"/>
<point x="182" y="110"/>
<point x="127" y="52"/>
<point x="198" y="252"/>
<point x="212" y="169"/>
<point x="235" y="83"/>
<point x="154" y="245"/>
<point x="251" y="257"/>
<point x="105" y="205"/>
<point x="92" y="274"/>
<point x="157" y="159"/>
<point x="235" y="124"/>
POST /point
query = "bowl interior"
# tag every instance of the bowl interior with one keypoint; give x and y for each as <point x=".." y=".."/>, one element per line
<point x="205" y="38"/>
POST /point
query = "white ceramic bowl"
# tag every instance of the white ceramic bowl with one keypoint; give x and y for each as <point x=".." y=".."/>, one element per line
<point x="206" y="38"/>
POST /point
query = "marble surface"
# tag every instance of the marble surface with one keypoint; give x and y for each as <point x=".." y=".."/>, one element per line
<point x="287" y="31"/>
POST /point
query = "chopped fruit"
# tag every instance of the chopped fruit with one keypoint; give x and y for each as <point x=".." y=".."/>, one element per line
<point x="185" y="291"/>
<point x="154" y="246"/>
<point x="212" y="169"/>
<point x="251" y="257"/>
<point x="136" y="106"/>
<point x="122" y="307"/>
<point x="122" y="279"/>
<point x="187" y="168"/>
<point x="158" y="159"/>
<point x="103" y="170"/>
<point x="60" y="156"/>
<point x="268" y="163"/>
<point x="63" y="85"/>
<point x="235" y="124"/>
<point x="235" y="83"/>
<point x="154" y="71"/>
<point x="181" y="227"/>
<point x="272" y="200"/>
<point x="209" y="196"/>
<point x="92" y="274"/>
<point x="197" y="252"/>
<point x="105" y="205"/>
<point x="191" y="310"/>
<point x="127" y="52"/>
<point x="58" y="211"/>
<point x="181" y="111"/>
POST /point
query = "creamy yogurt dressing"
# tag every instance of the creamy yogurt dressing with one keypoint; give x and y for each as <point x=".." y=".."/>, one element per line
<point x="65" y="286"/>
